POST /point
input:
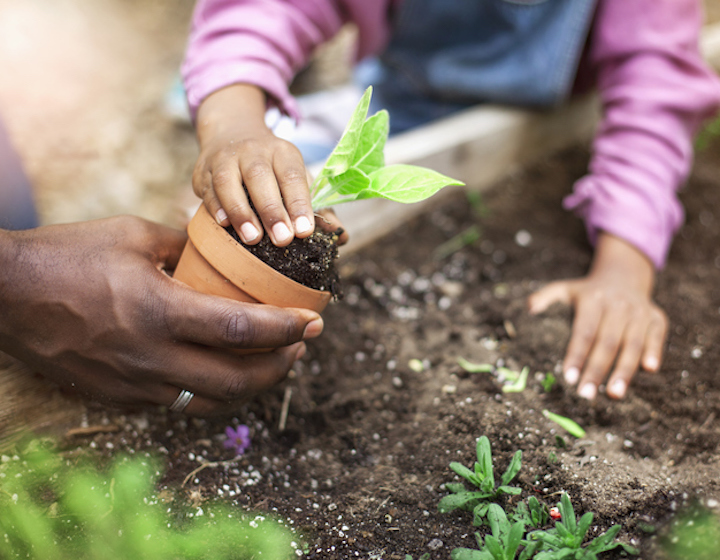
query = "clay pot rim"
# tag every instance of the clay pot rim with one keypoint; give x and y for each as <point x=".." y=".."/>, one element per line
<point x="225" y="254"/>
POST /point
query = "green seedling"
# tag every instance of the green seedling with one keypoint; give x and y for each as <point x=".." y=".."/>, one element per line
<point x="454" y="244"/>
<point x="53" y="508"/>
<point x="519" y="384"/>
<point x="425" y="556"/>
<point x="502" y="544"/>
<point x="475" y="368"/>
<point x="570" y="426"/>
<point x="483" y="478"/>
<point x="534" y="514"/>
<point x="548" y="381"/>
<point x="565" y="541"/>
<point x="356" y="169"/>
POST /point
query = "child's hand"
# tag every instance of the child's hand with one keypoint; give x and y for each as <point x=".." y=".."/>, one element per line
<point x="236" y="149"/>
<point x="617" y="325"/>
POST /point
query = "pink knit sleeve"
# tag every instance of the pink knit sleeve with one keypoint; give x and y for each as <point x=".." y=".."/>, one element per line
<point x="266" y="42"/>
<point x="260" y="42"/>
<point x="656" y="91"/>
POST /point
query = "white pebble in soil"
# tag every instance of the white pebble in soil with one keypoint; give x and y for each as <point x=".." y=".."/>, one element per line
<point x="523" y="238"/>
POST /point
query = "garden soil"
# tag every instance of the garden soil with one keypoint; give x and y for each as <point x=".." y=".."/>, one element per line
<point x="359" y="465"/>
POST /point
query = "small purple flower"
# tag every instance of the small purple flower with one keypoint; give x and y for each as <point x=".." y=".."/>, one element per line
<point x="237" y="439"/>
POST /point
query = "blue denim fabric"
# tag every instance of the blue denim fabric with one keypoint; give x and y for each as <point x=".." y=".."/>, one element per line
<point x="17" y="207"/>
<point x="446" y="55"/>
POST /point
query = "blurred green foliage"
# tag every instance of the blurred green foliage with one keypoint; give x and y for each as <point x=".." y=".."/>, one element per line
<point x="56" y="508"/>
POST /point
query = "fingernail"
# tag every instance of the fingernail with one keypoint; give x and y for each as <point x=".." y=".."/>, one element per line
<point x="588" y="391"/>
<point x="572" y="375"/>
<point x="301" y="352"/>
<point x="221" y="216"/>
<point x="281" y="232"/>
<point x="302" y="225"/>
<point x="313" y="328"/>
<point x="248" y="232"/>
<point x="617" y="389"/>
<point x="651" y="363"/>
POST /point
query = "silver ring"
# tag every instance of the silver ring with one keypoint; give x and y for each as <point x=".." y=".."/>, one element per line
<point x="182" y="401"/>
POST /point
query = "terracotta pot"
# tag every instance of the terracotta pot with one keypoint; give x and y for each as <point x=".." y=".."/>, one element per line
<point x="215" y="263"/>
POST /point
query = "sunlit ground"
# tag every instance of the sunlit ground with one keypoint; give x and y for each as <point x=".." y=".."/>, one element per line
<point x="82" y="84"/>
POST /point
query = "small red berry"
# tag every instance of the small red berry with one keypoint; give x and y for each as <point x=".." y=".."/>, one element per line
<point x="555" y="513"/>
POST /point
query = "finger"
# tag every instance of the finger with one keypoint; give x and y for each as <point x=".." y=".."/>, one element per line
<point x="227" y="185"/>
<point x="167" y="244"/>
<point x="604" y="351"/>
<point x="203" y="188"/>
<point x="629" y="359"/>
<point x="220" y="378"/>
<point x="259" y="178"/>
<point x="588" y="314"/>
<point x="329" y="222"/>
<point x="655" y="341"/>
<point x="220" y="322"/>
<point x="292" y="180"/>
<point x="555" y="292"/>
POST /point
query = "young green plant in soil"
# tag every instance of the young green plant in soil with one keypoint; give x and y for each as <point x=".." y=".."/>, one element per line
<point x="355" y="170"/>
<point x="482" y="477"/>
<point x="509" y="538"/>
<point x="62" y="509"/>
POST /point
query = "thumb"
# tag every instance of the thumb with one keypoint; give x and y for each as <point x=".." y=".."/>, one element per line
<point x="555" y="292"/>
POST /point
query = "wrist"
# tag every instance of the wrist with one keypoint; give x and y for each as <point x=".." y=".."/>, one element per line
<point x="618" y="258"/>
<point x="237" y="110"/>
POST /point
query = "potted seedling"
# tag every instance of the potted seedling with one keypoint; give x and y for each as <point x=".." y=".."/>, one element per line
<point x="216" y="262"/>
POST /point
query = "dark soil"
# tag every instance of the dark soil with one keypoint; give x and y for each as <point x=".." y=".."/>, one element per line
<point x="309" y="261"/>
<point x="360" y="464"/>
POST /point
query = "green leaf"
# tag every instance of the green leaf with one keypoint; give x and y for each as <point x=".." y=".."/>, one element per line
<point x="493" y="546"/>
<point x="350" y="182"/>
<point x="529" y="550"/>
<point x="519" y="385"/>
<point x="568" y="513"/>
<point x="513" y="540"/>
<point x="480" y="512"/>
<point x="470" y="554"/>
<point x="406" y="183"/>
<point x="510" y="490"/>
<point x="513" y="468"/>
<point x="572" y="427"/>
<point x="583" y="525"/>
<point x="341" y="158"/>
<point x="497" y="520"/>
<point x="369" y="155"/>
<point x="455" y="487"/>
<point x="484" y="459"/>
<point x="464" y="472"/>
<point x="452" y="502"/>
<point x="475" y="368"/>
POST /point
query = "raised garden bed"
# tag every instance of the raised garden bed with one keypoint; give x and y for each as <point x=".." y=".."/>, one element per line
<point x="367" y="440"/>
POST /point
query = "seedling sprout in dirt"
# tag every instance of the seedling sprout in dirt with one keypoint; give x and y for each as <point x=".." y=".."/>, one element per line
<point x="483" y="478"/>
<point x="509" y="537"/>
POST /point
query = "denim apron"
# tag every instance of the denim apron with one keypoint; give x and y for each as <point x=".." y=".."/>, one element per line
<point x="446" y="55"/>
<point x="17" y="208"/>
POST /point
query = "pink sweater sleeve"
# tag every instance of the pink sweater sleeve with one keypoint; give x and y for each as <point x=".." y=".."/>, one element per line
<point x="656" y="91"/>
<point x="266" y="42"/>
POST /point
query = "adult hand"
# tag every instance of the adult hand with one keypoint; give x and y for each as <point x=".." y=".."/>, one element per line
<point x="237" y="149"/>
<point x="90" y="307"/>
<point x="617" y="327"/>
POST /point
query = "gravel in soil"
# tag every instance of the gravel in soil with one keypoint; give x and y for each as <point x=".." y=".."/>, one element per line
<point x="379" y="407"/>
